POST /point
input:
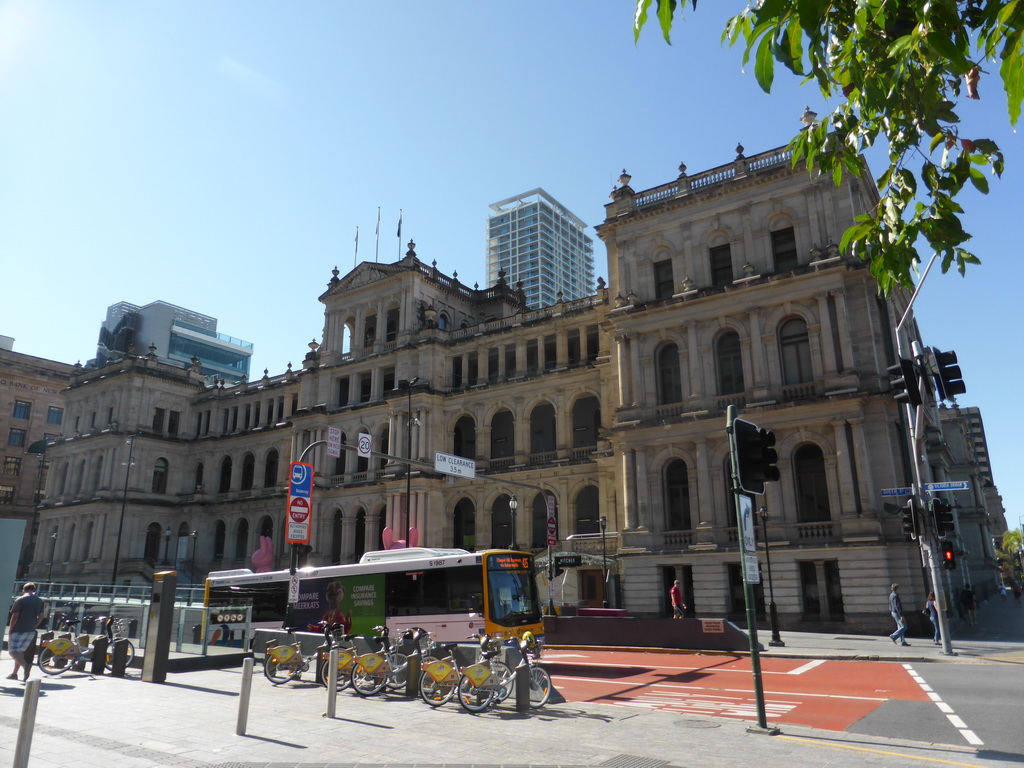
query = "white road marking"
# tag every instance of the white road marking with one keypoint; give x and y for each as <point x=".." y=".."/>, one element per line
<point x="685" y="687"/>
<point x="806" y="667"/>
<point x="957" y="722"/>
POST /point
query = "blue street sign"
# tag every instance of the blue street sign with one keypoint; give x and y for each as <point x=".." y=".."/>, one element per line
<point x="301" y="480"/>
<point x="907" y="491"/>
<point x="950" y="485"/>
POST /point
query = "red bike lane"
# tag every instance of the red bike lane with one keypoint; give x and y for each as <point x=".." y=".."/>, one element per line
<point x="831" y="695"/>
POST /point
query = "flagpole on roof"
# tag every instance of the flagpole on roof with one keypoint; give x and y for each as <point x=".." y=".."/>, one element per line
<point x="376" y="250"/>
<point x="355" y="256"/>
<point x="399" y="234"/>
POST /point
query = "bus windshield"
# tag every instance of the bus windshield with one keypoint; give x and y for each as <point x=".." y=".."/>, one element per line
<point x="511" y="590"/>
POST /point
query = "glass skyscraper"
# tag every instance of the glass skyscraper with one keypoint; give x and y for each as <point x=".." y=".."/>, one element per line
<point x="536" y="240"/>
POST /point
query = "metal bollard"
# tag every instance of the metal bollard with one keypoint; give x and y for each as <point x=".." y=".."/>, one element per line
<point x="243" y="697"/>
<point x="522" y="674"/>
<point x="412" y="676"/>
<point x="28" y="723"/>
<point x="99" y="655"/>
<point x="332" y="683"/>
<point x="119" y="658"/>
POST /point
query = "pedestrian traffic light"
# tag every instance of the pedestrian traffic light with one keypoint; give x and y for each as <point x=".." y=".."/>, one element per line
<point x="942" y="513"/>
<point x="755" y="456"/>
<point x="948" y="378"/>
<point x="948" y="555"/>
<point x="906" y="387"/>
<point x="909" y="518"/>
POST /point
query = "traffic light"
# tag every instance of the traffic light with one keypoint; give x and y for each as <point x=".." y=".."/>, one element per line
<point x="948" y="378"/>
<point x="943" y="515"/>
<point x="948" y="555"/>
<point x="906" y="387"/>
<point x="755" y="456"/>
<point x="909" y="518"/>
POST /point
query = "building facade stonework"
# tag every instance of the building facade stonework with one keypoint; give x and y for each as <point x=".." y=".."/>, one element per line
<point x="724" y="288"/>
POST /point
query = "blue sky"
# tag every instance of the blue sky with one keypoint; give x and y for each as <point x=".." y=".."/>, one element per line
<point x="220" y="156"/>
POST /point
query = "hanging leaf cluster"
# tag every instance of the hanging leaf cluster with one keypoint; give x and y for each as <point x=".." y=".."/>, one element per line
<point x="899" y="71"/>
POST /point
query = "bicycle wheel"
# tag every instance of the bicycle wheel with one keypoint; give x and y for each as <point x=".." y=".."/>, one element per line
<point x="344" y="675"/>
<point x="280" y="672"/>
<point x="436" y="693"/>
<point x="53" y="664"/>
<point x="540" y="686"/>
<point x="369" y="683"/>
<point x="109" y="661"/>
<point x="475" y="699"/>
<point x="505" y="676"/>
<point x="399" y="675"/>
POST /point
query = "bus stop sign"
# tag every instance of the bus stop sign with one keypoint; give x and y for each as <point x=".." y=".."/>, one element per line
<point x="300" y="503"/>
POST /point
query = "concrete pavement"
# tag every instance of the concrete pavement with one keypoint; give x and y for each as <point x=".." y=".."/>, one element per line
<point x="190" y="721"/>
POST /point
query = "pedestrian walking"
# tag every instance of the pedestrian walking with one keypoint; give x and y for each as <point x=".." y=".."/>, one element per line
<point x="970" y="603"/>
<point x="1002" y="592"/>
<point x="932" y="611"/>
<point x="896" y="609"/>
<point x="27" y="613"/>
<point x="676" y="596"/>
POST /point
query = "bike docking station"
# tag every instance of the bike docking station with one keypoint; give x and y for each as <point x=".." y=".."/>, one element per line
<point x="158" y="630"/>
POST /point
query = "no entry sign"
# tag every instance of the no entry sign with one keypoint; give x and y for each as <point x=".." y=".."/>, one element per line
<point x="300" y="503"/>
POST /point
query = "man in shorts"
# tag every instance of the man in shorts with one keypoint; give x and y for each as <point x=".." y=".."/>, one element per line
<point x="27" y="613"/>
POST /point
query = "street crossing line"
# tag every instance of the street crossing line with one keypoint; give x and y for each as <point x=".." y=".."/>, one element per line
<point x="956" y="721"/>
<point x="806" y="667"/>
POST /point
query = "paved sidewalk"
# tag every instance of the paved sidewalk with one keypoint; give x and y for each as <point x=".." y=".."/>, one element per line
<point x="190" y="721"/>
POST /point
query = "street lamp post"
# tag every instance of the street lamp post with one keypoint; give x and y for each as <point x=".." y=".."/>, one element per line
<point x="53" y="552"/>
<point x="773" y="613"/>
<point x="124" y="501"/>
<point x="603" y="522"/>
<point x="167" y="545"/>
<point x="407" y="385"/>
<point x="513" y="505"/>
<point x="192" y="570"/>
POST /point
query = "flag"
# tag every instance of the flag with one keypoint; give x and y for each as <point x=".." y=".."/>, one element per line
<point x="399" y="223"/>
<point x="355" y="256"/>
<point x="378" y="219"/>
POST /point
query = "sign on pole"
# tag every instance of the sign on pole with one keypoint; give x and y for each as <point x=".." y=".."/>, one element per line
<point x="751" y="573"/>
<point x="300" y="503"/>
<point x="334" y="441"/>
<point x="952" y="485"/>
<point x="448" y="464"/>
<point x="364" y="446"/>
<point x="904" y="491"/>
<point x="552" y="520"/>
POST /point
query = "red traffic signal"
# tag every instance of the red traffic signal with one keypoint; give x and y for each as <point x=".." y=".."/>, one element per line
<point x="948" y="555"/>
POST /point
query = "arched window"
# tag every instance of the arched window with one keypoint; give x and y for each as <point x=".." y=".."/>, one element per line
<point x="796" y="352"/>
<point x="370" y="331"/>
<point x="97" y="474"/>
<point x="730" y="364"/>
<point x="336" y="530"/>
<point x="160" y="476"/>
<point x="151" y="552"/>
<point x="677" y="497"/>
<point x="503" y="433"/>
<point x="501" y="523"/>
<point x="542" y="429"/>
<point x="220" y="534"/>
<point x="442" y="321"/>
<point x="587" y="513"/>
<point x="242" y="540"/>
<point x="248" y="471"/>
<point x="670" y="386"/>
<point x="360" y="547"/>
<point x="586" y="420"/>
<point x="267" y="526"/>
<point x="811" y="485"/>
<point x="538" y="522"/>
<point x="464" y="525"/>
<point x="270" y="468"/>
<point x="225" y="475"/>
<point x="464" y="443"/>
<point x="199" y="477"/>
<point x="391" y="325"/>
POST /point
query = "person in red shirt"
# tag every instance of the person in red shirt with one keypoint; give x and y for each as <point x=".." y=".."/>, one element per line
<point x="676" y="595"/>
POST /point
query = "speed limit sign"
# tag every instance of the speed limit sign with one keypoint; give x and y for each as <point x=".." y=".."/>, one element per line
<point x="364" y="446"/>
